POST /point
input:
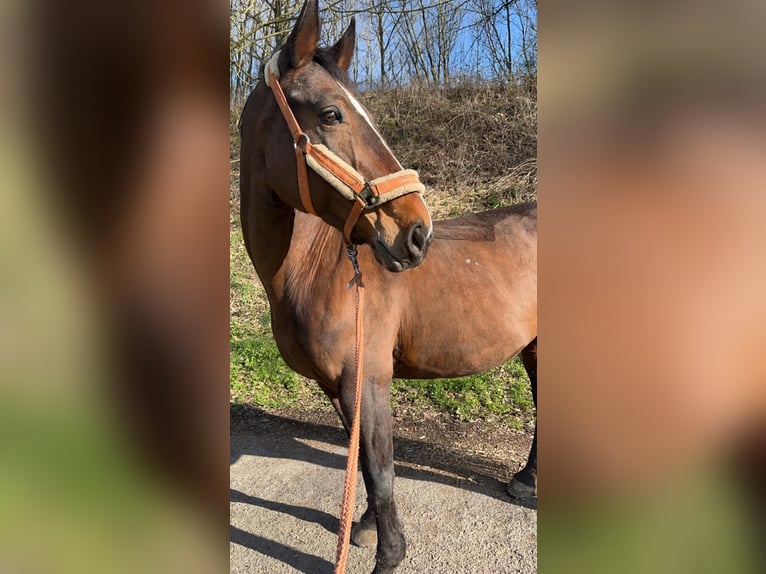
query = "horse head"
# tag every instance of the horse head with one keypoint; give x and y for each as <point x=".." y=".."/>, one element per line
<point x="372" y="200"/>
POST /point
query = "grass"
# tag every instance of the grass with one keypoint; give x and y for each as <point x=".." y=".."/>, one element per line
<point x="492" y="164"/>
<point x="258" y="375"/>
<point x="501" y="394"/>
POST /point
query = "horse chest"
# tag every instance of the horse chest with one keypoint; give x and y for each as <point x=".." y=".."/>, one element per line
<point x="313" y="340"/>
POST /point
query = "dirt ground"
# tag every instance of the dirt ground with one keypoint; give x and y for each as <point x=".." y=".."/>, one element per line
<point x="287" y="480"/>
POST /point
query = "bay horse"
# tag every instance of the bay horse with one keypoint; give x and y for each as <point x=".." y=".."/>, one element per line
<point x="466" y="303"/>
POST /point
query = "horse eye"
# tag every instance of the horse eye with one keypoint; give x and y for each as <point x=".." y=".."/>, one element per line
<point x="330" y="117"/>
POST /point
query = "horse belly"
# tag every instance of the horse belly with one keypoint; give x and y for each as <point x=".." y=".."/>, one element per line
<point x="454" y="350"/>
<point x="483" y="313"/>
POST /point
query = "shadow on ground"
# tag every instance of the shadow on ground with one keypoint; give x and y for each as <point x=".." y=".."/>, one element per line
<point x="301" y="561"/>
<point x="417" y="460"/>
<point x="259" y="433"/>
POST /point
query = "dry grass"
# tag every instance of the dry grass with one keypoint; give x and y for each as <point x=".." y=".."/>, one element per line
<point x="474" y="145"/>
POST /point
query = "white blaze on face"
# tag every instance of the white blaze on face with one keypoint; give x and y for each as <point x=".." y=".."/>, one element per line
<point x="362" y="112"/>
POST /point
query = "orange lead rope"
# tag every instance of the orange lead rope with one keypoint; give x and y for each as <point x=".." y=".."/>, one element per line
<point x="349" y="485"/>
<point x="364" y="195"/>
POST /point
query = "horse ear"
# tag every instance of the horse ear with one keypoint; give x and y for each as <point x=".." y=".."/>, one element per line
<point x="343" y="50"/>
<point x="302" y="41"/>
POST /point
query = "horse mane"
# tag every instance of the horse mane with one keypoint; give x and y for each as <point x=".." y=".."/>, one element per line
<point x="324" y="57"/>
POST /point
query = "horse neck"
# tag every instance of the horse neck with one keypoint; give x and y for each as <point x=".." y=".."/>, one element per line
<point x="296" y="255"/>
<point x="314" y="260"/>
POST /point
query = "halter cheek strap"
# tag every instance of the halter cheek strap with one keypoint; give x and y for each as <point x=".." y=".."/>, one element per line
<point x="366" y="195"/>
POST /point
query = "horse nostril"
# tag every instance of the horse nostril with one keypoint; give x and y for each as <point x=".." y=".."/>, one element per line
<point x="417" y="239"/>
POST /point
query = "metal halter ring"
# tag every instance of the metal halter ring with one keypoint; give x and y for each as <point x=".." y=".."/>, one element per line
<point x="370" y="199"/>
<point x="302" y="141"/>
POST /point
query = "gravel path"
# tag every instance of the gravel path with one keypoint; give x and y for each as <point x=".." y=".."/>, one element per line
<point x="286" y="483"/>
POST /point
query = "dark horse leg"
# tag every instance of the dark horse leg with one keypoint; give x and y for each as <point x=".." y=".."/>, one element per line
<point x="380" y="521"/>
<point x="524" y="483"/>
<point x="365" y="532"/>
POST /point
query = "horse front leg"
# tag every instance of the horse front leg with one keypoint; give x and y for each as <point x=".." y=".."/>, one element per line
<point x="380" y="521"/>
<point x="524" y="483"/>
<point x="365" y="532"/>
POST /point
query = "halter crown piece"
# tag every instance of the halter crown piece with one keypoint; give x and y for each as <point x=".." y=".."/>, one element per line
<point x="352" y="185"/>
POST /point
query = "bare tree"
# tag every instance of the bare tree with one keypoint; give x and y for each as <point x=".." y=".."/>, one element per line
<point x="526" y="15"/>
<point x="398" y="41"/>
<point x="257" y="27"/>
<point x="429" y="36"/>
<point x="506" y="31"/>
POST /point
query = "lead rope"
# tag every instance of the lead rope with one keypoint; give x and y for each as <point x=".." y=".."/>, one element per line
<point x="349" y="485"/>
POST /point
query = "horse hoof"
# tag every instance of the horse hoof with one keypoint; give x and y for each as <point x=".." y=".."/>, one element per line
<point x="520" y="491"/>
<point x="364" y="537"/>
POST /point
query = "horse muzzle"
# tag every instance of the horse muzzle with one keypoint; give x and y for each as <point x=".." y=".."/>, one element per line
<point x="411" y="251"/>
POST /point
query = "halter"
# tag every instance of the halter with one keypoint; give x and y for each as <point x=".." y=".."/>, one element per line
<point x="366" y="195"/>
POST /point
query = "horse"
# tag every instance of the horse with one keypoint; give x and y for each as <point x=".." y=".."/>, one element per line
<point x="444" y="298"/>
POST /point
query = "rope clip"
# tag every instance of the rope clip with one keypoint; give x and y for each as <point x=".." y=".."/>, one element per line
<point x="351" y="252"/>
